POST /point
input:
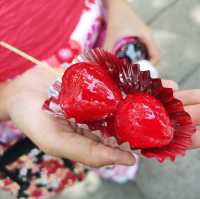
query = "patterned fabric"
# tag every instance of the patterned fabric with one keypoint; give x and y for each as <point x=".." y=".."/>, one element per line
<point x="37" y="175"/>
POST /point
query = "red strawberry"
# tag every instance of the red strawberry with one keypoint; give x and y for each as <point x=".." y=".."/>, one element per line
<point x="143" y="122"/>
<point x="88" y="93"/>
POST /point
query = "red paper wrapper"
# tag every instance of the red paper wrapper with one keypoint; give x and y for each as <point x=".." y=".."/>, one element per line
<point x="131" y="79"/>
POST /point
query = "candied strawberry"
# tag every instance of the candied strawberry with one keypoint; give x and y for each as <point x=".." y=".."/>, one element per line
<point x="142" y="121"/>
<point x="173" y="127"/>
<point x="88" y="93"/>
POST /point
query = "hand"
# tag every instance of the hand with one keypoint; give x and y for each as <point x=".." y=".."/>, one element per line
<point x="24" y="97"/>
<point x="122" y="21"/>
<point x="191" y="101"/>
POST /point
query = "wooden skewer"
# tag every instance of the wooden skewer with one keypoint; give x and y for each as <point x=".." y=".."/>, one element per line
<point x="28" y="57"/>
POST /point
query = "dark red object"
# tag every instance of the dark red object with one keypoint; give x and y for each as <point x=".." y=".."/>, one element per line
<point x="88" y="93"/>
<point x="143" y="121"/>
<point x="37" y="193"/>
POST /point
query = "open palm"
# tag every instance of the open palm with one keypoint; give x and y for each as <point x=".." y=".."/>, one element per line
<point x="54" y="136"/>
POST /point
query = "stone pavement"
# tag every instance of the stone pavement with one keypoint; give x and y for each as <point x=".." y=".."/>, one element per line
<point x="176" y="26"/>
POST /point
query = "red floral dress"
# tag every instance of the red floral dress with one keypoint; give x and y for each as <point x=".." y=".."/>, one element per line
<point x="35" y="174"/>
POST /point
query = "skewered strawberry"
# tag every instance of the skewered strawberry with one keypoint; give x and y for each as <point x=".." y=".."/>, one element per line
<point x="88" y="93"/>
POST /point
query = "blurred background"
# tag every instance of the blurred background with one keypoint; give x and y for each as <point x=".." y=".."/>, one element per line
<point x="176" y="27"/>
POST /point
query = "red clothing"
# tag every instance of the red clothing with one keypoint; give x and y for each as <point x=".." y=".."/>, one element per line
<point x="39" y="28"/>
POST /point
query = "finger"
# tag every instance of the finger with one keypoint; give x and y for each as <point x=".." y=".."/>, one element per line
<point x="45" y="131"/>
<point x="194" y="111"/>
<point x="152" y="50"/>
<point x="189" y="97"/>
<point x="83" y="131"/>
<point x="87" y="151"/>
<point x="196" y="140"/>
<point x="170" y="84"/>
<point x="88" y="134"/>
<point x="68" y="144"/>
<point x="71" y="145"/>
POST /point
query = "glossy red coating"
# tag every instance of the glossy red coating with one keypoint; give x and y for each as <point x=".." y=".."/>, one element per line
<point x="173" y="128"/>
<point x="142" y="121"/>
<point x="88" y="93"/>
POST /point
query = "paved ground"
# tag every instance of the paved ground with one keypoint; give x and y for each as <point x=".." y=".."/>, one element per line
<point x="176" y="25"/>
